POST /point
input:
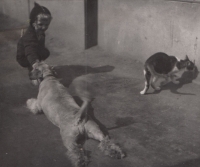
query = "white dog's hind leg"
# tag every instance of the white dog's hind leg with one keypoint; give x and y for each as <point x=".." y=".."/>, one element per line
<point x="109" y="148"/>
<point x="75" y="151"/>
<point x="106" y="145"/>
<point x="33" y="106"/>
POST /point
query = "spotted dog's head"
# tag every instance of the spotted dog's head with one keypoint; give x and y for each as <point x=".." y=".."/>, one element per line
<point x="188" y="64"/>
<point x="40" y="71"/>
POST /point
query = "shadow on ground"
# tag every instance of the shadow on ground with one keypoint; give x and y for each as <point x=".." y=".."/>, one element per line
<point x="186" y="78"/>
<point x="67" y="73"/>
<point x="122" y="122"/>
<point x="189" y="163"/>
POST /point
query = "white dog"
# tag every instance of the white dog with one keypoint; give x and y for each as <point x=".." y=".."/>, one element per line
<point x="61" y="109"/>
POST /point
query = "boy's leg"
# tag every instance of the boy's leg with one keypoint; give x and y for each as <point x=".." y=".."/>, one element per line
<point x="23" y="62"/>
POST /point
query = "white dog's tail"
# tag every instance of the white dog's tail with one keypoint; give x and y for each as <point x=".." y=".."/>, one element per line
<point x="111" y="149"/>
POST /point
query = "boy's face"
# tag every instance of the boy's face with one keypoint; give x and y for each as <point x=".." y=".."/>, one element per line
<point x="42" y="23"/>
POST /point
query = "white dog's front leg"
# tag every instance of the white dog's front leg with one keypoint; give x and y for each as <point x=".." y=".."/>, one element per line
<point x="33" y="106"/>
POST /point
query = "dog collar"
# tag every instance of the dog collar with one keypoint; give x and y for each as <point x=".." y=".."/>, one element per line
<point x="49" y="75"/>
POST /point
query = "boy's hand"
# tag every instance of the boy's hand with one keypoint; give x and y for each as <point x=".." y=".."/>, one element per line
<point x="35" y="64"/>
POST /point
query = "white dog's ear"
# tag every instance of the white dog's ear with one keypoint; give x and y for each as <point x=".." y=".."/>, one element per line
<point x="35" y="74"/>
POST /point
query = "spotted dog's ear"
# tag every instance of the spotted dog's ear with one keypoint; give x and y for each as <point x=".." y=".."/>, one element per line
<point x="35" y="74"/>
<point x="186" y="57"/>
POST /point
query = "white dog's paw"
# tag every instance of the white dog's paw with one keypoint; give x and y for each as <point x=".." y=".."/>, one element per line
<point x="32" y="105"/>
<point x="35" y="82"/>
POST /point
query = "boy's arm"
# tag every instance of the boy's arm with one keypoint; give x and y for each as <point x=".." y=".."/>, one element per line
<point x="31" y="45"/>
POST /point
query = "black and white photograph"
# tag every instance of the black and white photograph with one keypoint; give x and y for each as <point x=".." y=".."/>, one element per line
<point x="99" y="83"/>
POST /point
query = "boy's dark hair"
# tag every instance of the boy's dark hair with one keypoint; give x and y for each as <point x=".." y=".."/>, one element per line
<point x="36" y="11"/>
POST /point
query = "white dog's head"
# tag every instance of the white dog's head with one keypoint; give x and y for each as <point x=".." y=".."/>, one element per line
<point x="40" y="71"/>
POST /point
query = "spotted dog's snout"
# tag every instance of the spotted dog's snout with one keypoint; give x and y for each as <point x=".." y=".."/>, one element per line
<point x="190" y="66"/>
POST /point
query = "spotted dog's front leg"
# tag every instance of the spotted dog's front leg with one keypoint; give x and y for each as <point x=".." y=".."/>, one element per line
<point x="167" y="80"/>
<point x="153" y="83"/>
<point x="33" y="106"/>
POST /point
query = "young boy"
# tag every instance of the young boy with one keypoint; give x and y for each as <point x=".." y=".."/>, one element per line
<point x="31" y="46"/>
